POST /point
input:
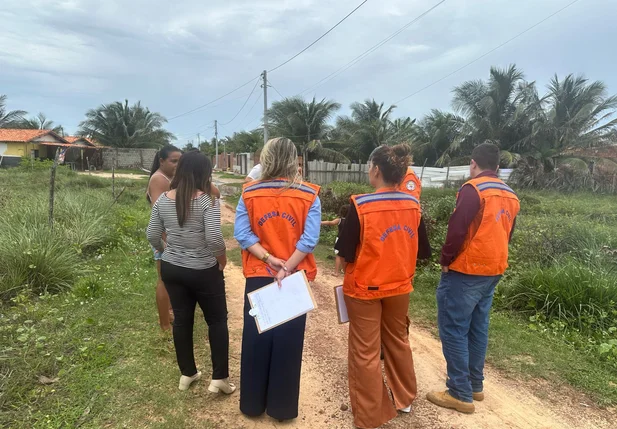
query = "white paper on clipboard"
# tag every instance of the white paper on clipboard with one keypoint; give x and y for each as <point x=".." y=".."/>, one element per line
<point x="272" y="306"/>
<point x="341" y="308"/>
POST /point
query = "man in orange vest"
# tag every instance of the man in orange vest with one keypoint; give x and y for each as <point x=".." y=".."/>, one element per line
<point x="473" y="259"/>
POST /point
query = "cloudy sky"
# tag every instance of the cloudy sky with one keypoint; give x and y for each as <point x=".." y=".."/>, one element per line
<point x="63" y="57"/>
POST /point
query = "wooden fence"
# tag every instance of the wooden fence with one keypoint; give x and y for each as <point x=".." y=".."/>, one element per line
<point x="323" y="173"/>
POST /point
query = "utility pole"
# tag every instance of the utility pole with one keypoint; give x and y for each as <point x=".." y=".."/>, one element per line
<point x="198" y="140"/>
<point x="216" y="142"/>
<point x="265" y="86"/>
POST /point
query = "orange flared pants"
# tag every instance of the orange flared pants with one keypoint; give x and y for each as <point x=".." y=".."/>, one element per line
<point x="371" y="324"/>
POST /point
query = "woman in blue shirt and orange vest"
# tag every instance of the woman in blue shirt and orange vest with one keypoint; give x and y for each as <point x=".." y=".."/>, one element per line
<point x="382" y="238"/>
<point x="277" y="225"/>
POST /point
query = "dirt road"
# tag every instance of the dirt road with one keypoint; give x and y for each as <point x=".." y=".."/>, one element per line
<point x="509" y="403"/>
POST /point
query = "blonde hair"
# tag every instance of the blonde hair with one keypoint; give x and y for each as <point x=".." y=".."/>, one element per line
<point x="279" y="159"/>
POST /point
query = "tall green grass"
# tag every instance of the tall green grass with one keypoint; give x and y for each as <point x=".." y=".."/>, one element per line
<point x="580" y="295"/>
<point x="36" y="258"/>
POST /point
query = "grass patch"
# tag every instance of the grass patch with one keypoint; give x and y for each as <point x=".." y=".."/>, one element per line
<point x="232" y="200"/>
<point x="228" y="176"/>
<point x="99" y="341"/>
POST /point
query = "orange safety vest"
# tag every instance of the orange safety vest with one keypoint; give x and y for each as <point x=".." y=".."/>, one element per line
<point x="277" y="213"/>
<point x="411" y="184"/>
<point x="485" y="250"/>
<point x="385" y="260"/>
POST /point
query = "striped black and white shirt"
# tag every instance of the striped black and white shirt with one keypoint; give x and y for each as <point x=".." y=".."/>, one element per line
<point x="198" y="242"/>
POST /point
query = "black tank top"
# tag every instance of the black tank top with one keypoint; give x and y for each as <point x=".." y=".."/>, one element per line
<point x="340" y="226"/>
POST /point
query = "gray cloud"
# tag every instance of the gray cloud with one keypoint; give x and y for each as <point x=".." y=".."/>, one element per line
<point x="64" y="57"/>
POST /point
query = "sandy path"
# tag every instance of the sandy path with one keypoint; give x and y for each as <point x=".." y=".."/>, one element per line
<point x="509" y="403"/>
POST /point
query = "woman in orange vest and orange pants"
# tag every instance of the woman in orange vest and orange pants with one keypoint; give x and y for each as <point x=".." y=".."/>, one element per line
<point x="380" y="242"/>
<point x="277" y="225"/>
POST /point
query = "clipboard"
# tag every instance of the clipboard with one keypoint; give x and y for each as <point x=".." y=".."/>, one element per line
<point x="341" y="308"/>
<point x="272" y="306"/>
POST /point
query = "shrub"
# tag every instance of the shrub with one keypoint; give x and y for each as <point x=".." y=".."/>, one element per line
<point x="29" y="164"/>
<point x="336" y="194"/>
<point x="577" y="294"/>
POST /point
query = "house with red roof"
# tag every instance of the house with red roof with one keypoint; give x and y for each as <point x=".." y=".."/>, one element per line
<point x="42" y="144"/>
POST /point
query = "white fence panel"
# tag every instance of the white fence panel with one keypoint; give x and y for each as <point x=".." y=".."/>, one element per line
<point x="323" y="173"/>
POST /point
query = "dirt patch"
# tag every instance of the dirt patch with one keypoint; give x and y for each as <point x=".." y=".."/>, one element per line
<point x="106" y="175"/>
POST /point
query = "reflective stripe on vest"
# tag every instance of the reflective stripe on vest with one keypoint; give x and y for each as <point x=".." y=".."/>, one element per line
<point x="385" y="260"/>
<point x="277" y="213"/>
<point x="411" y="184"/>
<point x="485" y="250"/>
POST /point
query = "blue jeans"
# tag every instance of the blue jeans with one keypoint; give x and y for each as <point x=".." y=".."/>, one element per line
<point x="463" y="307"/>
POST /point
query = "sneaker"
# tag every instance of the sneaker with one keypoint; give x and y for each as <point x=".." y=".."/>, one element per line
<point x="223" y="385"/>
<point x="445" y="400"/>
<point x="185" y="382"/>
<point x="478" y="396"/>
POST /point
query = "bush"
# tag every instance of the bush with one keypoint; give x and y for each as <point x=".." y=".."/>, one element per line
<point x="29" y="164"/>
<point x="336" y="194"/>
<point x="579" y="295"/>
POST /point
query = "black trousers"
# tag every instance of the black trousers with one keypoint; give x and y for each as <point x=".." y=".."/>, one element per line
<point x="271" y="364"/>
<point x="187" y="287"/>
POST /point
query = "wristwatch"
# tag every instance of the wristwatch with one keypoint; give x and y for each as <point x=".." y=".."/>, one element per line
<point x="265" y="257"/>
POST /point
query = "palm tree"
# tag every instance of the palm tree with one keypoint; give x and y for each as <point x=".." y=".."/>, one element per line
<point x="491" y="110"/>
<point x="245" y="141"/>
<point x="368" y="127"/>
<point x="8" y="118"/>
<point x="39" y="122"/>
<point x="305" y="123"/>
<point x="433" y="136"/>
<point x="121" y="125"/>
<point x="580" y="113"/>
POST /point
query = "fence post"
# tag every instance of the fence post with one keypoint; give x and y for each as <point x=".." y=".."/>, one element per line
<point x="52" y="186"/>
<point x="614" y="182"/>
<point x="422" y="172"/>
<point x="447" y="176"/>
<point x="113" y="181"/>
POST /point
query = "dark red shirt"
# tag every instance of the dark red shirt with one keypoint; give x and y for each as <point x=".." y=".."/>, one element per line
<point x="467" y="207"/>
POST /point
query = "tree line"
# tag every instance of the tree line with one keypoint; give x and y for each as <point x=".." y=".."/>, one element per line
<point x="536" y="130"/>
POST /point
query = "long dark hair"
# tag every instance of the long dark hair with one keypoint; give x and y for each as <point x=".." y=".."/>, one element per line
<point x="163" y="153"/>
<point x="194" y="173"/>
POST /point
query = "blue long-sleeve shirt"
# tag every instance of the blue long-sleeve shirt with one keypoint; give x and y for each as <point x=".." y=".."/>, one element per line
<point x="246" y="237"/>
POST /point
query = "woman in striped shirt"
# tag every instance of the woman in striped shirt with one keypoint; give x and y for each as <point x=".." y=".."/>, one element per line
<point x="192" y="266"/>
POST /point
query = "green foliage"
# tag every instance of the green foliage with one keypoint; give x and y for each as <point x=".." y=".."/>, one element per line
<point x="337" y="194"/>
<point x="33" y="257"/>
<point x="9" y="117"/>
<point x="579" y="295"/>
<point x="39" y="122"/>
<point x="28" y="164"/>
<point x="121" y="125"/>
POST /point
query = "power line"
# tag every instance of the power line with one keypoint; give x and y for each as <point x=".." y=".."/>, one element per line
<point x="251" y="109"/>
<point x="245" y="101"/>
<point x="319" y="38"/>
<point x="213" y="101"/>
<point x="371" y="50"/>
<point x="274" y="88"/>
<point x="487" y="53"/>
<point x="275" y="68"/>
